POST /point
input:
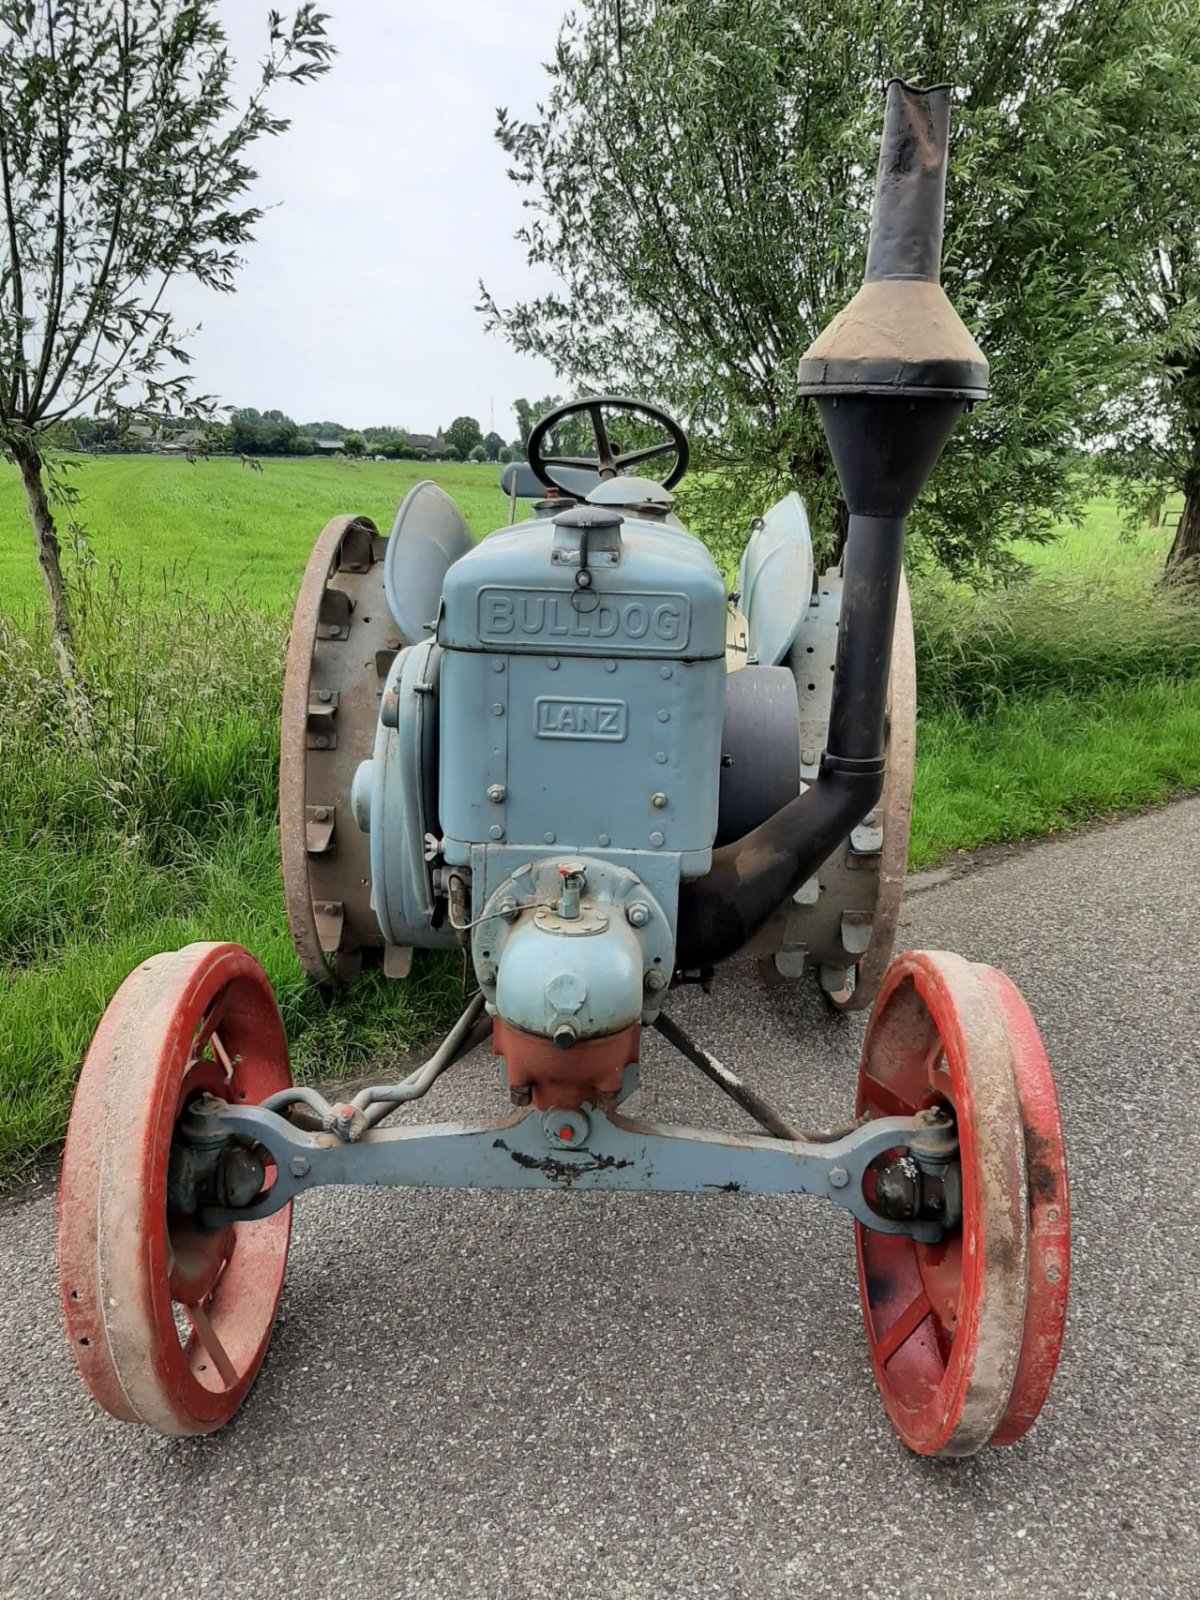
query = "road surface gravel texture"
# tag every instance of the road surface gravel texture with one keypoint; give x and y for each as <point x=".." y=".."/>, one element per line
<point x="598" y="1395"/>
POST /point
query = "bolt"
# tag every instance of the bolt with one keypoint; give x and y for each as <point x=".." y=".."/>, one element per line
<point x="552" y="663"/>
<point x="322" y="743"/>
<point x="638" y="913"/>
<point x="658" y="801"/>
<point x="496" y="831"/>
<point x="486" y="972"/>
<point x="656" y="838"/>
<point x="565" y="1035"/>
<point x="299" y="1165"/>
<point x="497" y="709"/>
<point x="656" y="979"/>
<point x="603" y="839"/>
<point x="665" y="672"/>
<point x="838" y="1177"/>
<point x="808" y="756"/>
<point x="507" y="909"/>
<point x="321" y="814"/>
<point x="497" y="666"/>
<point x="610" y="666"/>
<point x="548" y="837"/>
<point x="661" y="757"/>
<point x="324" y="696"/>
<point x="496" y="792"/>
<point x="664" y="716"/>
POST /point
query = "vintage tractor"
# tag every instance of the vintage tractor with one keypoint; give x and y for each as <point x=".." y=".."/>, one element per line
<point x="564" y="748"/>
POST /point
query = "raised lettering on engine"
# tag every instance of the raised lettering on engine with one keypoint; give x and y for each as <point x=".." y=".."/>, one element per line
<point x="643" y="624"/>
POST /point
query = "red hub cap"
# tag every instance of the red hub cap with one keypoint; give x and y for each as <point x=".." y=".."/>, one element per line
<point x="168" y="1321"/>
<point x="964" y="1334"/>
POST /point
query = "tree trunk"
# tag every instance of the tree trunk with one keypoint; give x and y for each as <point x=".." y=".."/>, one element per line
<point x="49" y="554"/>
<point x="1184" y="558"/>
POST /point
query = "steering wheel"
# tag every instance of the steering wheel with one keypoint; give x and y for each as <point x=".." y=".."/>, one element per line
<point x="606" y="461"/>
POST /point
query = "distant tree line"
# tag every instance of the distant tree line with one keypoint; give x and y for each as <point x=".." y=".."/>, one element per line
<point x="248" y="432"/>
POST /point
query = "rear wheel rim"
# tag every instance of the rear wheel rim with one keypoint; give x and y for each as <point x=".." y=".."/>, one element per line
<point x="342" y="642"/>
<point x="896" y="811"/>
<point x="1049" y="1275"/>
<point x="168" y="1324"/>
<point x="944" y="1322"/>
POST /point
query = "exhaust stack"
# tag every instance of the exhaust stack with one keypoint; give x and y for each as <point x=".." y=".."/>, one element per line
<point x="899" y="340"/>
<point x="890" y="375"/>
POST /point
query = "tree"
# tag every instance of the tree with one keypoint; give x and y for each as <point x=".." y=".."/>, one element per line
<point x="123" y="167"/>
<point x="492" y="446"/>
<point x="478" y="455"/>
<point x="506" y="454"/>
<point x="527" y="413"/>
<point x="724" y="152"/>
<point x="355" y="444"/>
<point x="1154" y="416"/>
<point x="463" y="434"/>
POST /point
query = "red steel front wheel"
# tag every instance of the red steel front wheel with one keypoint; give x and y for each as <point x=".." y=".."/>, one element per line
<point x="965" y="1334"/>
<point x="168" y="1321"/>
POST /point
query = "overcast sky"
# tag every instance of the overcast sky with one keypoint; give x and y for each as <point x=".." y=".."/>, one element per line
<point x="390" y="202"/>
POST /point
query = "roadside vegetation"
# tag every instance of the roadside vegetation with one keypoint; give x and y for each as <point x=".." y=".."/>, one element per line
<point x="1043" y="705"/>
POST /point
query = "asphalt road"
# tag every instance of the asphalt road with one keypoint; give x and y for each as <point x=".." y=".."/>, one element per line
<point x="573" y="1395"/>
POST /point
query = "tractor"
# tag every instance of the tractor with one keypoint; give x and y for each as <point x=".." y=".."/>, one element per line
<point x="568" y="751"/>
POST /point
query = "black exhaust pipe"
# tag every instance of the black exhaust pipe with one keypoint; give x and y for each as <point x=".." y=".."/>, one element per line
<point x="890" y="375"/>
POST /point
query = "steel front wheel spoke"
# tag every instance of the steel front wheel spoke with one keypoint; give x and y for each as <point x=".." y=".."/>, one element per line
<point x="887" y="1100"/>
<point x="905" y="1326"/>
<point x="201" y="1322"/>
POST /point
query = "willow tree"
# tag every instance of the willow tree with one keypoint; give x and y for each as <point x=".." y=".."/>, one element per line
<point x="1154" y="416"/>
<point x="698" y="180"/>
<point x="123" y="168"/>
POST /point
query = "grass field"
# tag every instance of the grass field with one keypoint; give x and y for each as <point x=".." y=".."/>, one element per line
<point x="219" y="528"/>
<point x="1072" y="695"/>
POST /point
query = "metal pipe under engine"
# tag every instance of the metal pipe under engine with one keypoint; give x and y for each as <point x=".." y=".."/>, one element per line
<point x="890" y="374"/>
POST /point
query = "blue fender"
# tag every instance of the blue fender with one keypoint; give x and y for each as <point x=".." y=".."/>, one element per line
<point x="775" y="580"/>
<point x="427" y="538"/>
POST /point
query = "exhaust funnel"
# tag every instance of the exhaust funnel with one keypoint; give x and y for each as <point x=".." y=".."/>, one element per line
<point x="895" y="368"/>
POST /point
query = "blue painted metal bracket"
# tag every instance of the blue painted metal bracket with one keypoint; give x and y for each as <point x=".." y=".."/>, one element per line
<point x="588" y="1149"/>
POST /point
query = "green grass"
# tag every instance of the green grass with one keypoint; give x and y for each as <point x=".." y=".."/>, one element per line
<point x="1044" y="705"/>
<point x="219" y="528"/>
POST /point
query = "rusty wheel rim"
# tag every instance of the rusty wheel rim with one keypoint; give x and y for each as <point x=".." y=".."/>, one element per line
<point x="168" y="1325"/>
<point x="1048" y="1279"/>
<point x="945" y="1322"/>
<point x="343" y="640"/>
<point x="896" y="809"/>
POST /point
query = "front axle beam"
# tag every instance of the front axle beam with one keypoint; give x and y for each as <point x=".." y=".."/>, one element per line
<point x="586" y="1149"/>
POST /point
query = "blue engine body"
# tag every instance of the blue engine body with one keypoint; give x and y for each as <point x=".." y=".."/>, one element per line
<point x="559" y="734"/>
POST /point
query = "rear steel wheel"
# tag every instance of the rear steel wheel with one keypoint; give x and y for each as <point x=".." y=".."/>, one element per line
<point x="168" y="1322"/>
<point x="343" y="641"/>
<point x="946" y="1322"/>
<point x="895" y="809"/>
<point x="841" y="925"/>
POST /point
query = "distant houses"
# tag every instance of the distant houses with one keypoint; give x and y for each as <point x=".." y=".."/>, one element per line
<point x="432" y="447"/>
<point x="149" y="437"/>
<point x="183" y="444"/>
<point x="329" y="447"/>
